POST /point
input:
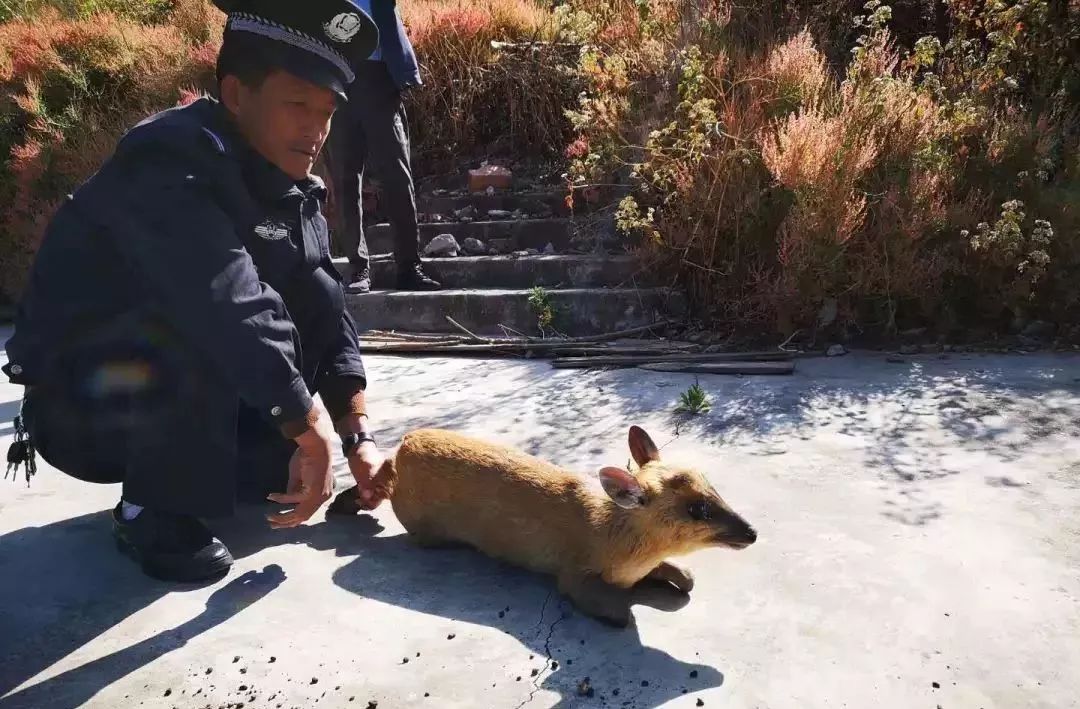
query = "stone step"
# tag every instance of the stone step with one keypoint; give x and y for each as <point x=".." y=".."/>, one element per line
<point x="512" y="235"/>
<point x="551" y="203"/>
<point x="578" y="311"/>
<point x="558" y="271"/>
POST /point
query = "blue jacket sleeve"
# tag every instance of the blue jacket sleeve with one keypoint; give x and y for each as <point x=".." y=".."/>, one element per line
<point x="186" y="252"/>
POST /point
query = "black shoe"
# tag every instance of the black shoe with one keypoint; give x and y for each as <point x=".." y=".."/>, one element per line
<point x="171" y="547"/>
<point x="414" y="278"/>
<point x="361" y="281"/>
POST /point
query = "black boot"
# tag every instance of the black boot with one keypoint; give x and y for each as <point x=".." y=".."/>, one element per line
<point x="361" y="281"/>
<point x="414" y="278"/>
<point x="171" y="547"/>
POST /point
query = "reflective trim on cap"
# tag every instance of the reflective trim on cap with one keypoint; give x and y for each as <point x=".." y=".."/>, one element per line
<point x="244" y="22"/>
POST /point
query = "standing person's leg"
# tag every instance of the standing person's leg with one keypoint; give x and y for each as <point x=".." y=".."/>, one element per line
<point x="133" y="403"/>
<point x="381" y="112"/>
<point x="346" y="151"/>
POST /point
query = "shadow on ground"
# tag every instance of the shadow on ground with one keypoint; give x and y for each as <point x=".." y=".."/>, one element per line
<point x="466" y="586"/>
<point x="88" y="593"/>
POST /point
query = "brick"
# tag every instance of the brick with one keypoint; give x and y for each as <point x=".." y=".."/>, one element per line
<point x="490" y="176"/>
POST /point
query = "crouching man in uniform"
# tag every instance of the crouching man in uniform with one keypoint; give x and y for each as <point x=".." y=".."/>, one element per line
<point x="183" y="309"/>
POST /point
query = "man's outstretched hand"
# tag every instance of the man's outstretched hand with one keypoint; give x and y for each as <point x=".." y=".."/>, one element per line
<point x="364" y="463"/>
<point x="311" y="477"/>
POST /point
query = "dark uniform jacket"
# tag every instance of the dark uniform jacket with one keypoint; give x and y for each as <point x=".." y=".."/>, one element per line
<point x="395" y="49"/>
<point x="188" y="221"/>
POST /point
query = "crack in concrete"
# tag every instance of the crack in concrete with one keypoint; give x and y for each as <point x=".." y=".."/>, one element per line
<point x="547" y="646"/>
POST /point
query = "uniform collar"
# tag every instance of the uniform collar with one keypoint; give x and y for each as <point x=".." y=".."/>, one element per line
<point x="267" y="180"/>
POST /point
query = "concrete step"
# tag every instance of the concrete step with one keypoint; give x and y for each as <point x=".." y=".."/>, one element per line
<point x="512" y="235"/>
<point x="557" y="271"/>
<point x="578" y="311"/>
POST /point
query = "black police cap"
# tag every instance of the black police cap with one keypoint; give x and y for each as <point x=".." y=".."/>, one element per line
<point x="316" y="40"/>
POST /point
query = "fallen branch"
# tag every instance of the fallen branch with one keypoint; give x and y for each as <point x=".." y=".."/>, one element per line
<point x="721" y="367"/>
<point x="551" y="349"/>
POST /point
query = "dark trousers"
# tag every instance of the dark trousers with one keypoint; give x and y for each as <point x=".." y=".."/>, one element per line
<point x="373" y="127"/>
<point x="134" y="404"/>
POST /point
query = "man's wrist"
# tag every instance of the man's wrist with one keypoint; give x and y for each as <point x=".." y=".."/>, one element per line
<point x="352" y="423"/>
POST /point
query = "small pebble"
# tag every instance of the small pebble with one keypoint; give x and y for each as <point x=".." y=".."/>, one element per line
<point x="168" y="692"/>
<point x="273" y="659"/>
<point x="337" y="688"/>
<point x="373" y="704"/>
<point x="644" y="683"/>
<point x="936" y="685"/>
<point x="418" y="654"/>
<point x="615" y="692"/>
<point x="404" y="660"/>
<point x="451" y="636"/>
<point x="535" y="672"/>
<point x="236" y="659"/>
<point x="518" y="679"/>
<point x="427" y="694"/>
<point x="243" y="670"/>
<point x="209" y="670"/>
<point x="685" y="690"/>
<point x="693" y="674"/>
<point x="314" y="680"/>
<point x="502" y="614"/>
<point x="569" y="662"/>
<point x="243" y="688"/>
<point x="554" y="664"/>
<point x="701" y="702"/>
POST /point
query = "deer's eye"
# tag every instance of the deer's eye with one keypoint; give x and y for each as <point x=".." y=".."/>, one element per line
<point x="698" y="510"/>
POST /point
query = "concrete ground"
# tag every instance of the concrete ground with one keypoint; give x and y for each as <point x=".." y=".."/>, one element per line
<point x="919" y="547"/>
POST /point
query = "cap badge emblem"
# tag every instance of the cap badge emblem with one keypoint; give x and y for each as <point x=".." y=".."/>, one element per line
<point x="343" y="27"/>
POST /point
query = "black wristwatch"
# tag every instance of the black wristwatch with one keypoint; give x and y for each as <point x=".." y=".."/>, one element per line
<point x="350" y="441"/>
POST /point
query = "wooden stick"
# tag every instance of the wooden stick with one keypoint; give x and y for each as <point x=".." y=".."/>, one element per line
<point x="461" y="327"/>
<point x="550" y="348"/>
<point x="721" y="367"/>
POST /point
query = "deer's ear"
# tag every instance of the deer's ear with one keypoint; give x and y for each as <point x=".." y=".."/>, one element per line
<point x="642" y="447"/>
<point x="622" y="487"/>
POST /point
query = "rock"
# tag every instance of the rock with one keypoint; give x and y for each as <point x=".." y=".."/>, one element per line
<point x="502" y="246"/>
<point x="498" y="214"/>
<point x="1039" y="329"/>
<point x="440" y="192"/>
<point x="549" y="249"/>
<point x="468" y="212"/>
<point x="474" y="247"/>
<point x="490" y="177"/>
<point x="532" y="252"/>
<point x="914" y="333"/>
<point x="518" y="214"/>
<point x="442" y="245"/>
<point x="693" y="674"/>
<point x="451" y="636"/>
<point x="490" y="191"/>
<point x="584" y="688"/>
<point x="836" y="351"/>
<point x="236" y="659"/>
<point x="895" y="359"/>
<point x="947" y="348"/>
<point x="701" y="702"/>
<point x="931" y="349"/>
<point x="909" y="349"/>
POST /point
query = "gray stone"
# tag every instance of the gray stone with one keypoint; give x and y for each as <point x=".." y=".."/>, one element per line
<point x="498" y="214"/>
<point x="474" y="247"/>
<point x="1039" y="329"/>
<point x="468" y="212"/>
<point x="549" y="249"/>
<point x="836" y="351"/>
<point x="442" y="245"/>
<point x="909" y="349"/>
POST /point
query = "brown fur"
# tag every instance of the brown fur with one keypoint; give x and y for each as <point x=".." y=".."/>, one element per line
<point x="445" y="488"/>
